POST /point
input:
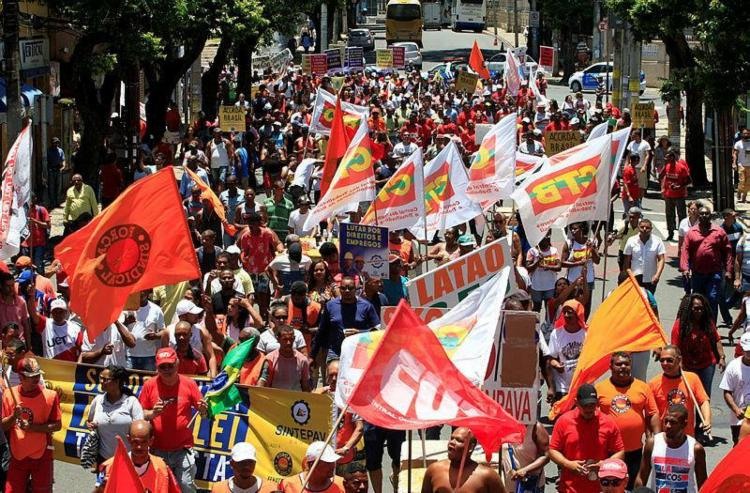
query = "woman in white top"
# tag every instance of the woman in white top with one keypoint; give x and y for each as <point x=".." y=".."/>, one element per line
<point x="687" y="223"/>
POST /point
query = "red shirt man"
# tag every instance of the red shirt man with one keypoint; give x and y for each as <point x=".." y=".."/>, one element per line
<point x="581" y="438"/>
<point x="706" y="248"/>
<point x="675" y="177"/>
<point x="258" y="245"/>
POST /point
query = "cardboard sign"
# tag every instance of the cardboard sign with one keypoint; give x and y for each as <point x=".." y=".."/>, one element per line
<point x="354" y="58"/>
<point x="231" y="119"/>
<point x="642" y="115"/>
<point x="445" y="286"/>
<point x="318" y="63"/>
<point x="547" y="58"/>
<point x="466" y="81"/>
<point x="363" y="250"/>
<point x="399" y="56"/>
<point x="425" y="313"/>
<point x="555" y="142"/>
<point x="384" y="58"/>
<point x="306" y="63"/>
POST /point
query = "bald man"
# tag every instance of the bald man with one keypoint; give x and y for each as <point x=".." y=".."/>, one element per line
<point x="475" y="478"/>
<point x="153" y="471"/>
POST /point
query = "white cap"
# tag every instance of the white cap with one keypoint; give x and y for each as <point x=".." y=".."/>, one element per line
<point x="745" y="341"/>
<point x="58" y="303"/>
<point x="233" y="250"/>
<point x="243" y="451"/>
<point x="325" y="452"/>
<point x="187" y="306"/>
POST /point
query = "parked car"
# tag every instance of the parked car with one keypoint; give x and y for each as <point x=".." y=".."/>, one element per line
<point x="496" y="64"/>
<point x="412" y="54"/>
<point x="361" y="37"/>
<point x="588" y="78"/>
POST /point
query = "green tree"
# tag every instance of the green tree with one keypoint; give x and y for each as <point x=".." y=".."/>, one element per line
<point x="570" y="18"/>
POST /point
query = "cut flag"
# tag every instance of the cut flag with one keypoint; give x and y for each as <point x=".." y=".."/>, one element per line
<point x="321" y="119"/>
<point x="623" y="322"/>
<point x="731" y="474"/>
<point x="338" y="143"/>
<point x="513" y="73"/>
<point x="16" y="192"/>
<point x="223" y="394"/>
<point x="208" y="195"/>
<point x="140" y="241"/>
<point x="445" y="201"/>
<point x="353" y="182"/>
<point x="562" y="192"/>
<point x="410" y="383"/>
<point x="400" y="203"/>
<point x="492" y="174"/>
<point x="476" y="62"/>
<point x="541" y="98"/>
<point x="122" y="473"/>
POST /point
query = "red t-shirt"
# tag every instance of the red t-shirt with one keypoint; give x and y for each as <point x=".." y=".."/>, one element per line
<point x="630" y="180"/>
<point x="257" y="250"/>
<point x="170" y="427"/>
<point x="580" y="439"/>
<point x="38" y="235"/>
<point x="676" y="177"/>
<point x="111" y="179"/>
<point x="195" y="366"/>
<point x="697" y="349"/>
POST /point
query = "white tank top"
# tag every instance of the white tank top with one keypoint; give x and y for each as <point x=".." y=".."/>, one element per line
<point x="673" y="468"/>
<point x="219" y="156"/>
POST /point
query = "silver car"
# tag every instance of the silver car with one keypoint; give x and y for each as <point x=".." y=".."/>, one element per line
<point x="412" y="54"/>
<point x="361" y="37"/>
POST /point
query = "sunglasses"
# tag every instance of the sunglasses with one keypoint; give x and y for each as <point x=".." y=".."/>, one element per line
<point x="666" y="360"/>
<point x="610" y="482"/>
<point x="347" y="288"/>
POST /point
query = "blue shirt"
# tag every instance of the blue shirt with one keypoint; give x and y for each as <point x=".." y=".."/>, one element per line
<point x="55" y="158"/>
<point x="395" y="291"/>
<point x="339" y="316"/>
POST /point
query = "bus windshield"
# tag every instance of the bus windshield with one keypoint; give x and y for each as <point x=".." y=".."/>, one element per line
<point x="403" y="12"/>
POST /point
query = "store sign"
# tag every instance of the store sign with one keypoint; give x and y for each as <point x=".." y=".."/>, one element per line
<point x="34" y="54"/>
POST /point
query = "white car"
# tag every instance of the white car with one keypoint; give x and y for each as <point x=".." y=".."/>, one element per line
<point x="496" y="64"/>
<point x="588" y="78"/>
<point x="412" y="54"/>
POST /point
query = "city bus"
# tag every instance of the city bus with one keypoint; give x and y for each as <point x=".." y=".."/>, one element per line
<point x="470" y="15"/>
<point x="403" y="21"/>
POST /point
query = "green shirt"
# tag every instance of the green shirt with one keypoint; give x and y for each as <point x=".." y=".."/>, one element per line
<point x="78" y="202"/>
<point x="278" y="216"/>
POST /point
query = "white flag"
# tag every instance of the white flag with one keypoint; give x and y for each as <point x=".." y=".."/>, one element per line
<point x="16" y="192"/>
<point x="322" y="115"/>
<point x="493" y="169"/>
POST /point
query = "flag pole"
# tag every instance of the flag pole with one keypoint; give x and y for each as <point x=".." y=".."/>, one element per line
<point x="328" y="441"/>
<point x="606" y="221"/>
<point x="424" y="449"/>
<point x="461" y="468"/>
<point x="408" y="473"/>
<point x="695" y="402"/>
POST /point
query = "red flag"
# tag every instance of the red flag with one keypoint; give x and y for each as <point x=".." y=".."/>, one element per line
<point x="140" y="241"/>
<point x="411" y="384"/>
<point x="338" y="142"/>
<point x="213" y="199"/>
<point x="731" y="473"/>
<point x="476" y="62"/>
<point x="122" y="474"/>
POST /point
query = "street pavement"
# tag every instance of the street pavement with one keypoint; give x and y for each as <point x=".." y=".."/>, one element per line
<point x="442" y="45"/>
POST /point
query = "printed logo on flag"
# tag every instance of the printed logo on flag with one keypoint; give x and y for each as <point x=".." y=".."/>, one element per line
<point x="283" y="463"/>
<point x="326" y="117"/>
<point x="437" y="188"/>
<point x="564" y="187"/>
<point x="301" y="412"/>
<point x="358" y="167"/>
<point x="126" y="249"/>
<point x="483" y="164"/>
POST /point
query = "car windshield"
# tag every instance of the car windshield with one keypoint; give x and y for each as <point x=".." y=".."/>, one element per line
<point x="404" y="12"/>
<point x="358" y="34"/>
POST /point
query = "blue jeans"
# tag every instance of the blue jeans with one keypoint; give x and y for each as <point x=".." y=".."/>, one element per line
<point x="709" y="285"/>
<point x="182" y="464"/>
<point x="147" y="363"/>
<point x="706" y="376"/>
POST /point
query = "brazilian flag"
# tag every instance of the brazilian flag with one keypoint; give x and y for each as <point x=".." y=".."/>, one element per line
<point x="223" y="394"/>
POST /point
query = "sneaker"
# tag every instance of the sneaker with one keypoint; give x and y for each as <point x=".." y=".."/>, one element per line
<point x="670" y="237"/>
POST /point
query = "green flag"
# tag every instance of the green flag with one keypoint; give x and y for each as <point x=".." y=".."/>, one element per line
<point x="223" y="394"/>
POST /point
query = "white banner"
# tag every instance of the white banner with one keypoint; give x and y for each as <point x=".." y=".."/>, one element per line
<point x="16" y="192"/>
<point x="493" y="169"/>
<point x="322" y="115"/>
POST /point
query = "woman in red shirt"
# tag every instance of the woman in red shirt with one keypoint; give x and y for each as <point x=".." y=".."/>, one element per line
<point x="694" y="332"/>
<point x="630" y="193"/>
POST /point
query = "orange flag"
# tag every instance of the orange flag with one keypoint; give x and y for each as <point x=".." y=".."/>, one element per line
<point x="213" y="199"/>
<point x="624" y="322"/>
<point x="140" y="241"/>
<point x="122" y="473"/>
<point x="476" y="62"/>
<point x="731" y="473"/>
<point x="338" y="142"/>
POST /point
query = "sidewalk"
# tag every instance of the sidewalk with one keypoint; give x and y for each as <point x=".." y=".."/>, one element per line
<point x="503" y="37"/>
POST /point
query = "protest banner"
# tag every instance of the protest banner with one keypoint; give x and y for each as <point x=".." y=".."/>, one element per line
<point x="425" y="313"/>
<point x="547" y="58"/>
<point x="399" y="56"/>
<point x="445" y="286"/>
<point x="333" y="60"/>
<point x="306" y="63"/>
<point x="232" y="119"/>
<point x="354" y="58"/>
<point x="363" y="250"/>
<point x="466" y="81"/>
<point x="280" y="423"/>
<point x="318" y="63"/>
<point x="555" y="142"/>
<point x="384" y="58"/>
<point x="642" y="115"/>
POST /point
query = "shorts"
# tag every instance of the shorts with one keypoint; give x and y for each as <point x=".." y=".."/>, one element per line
<point x="744" y="184"/>
<point x="261" y="283"/>
<point x="539" y="296"/>
<point x="375" y="443"/>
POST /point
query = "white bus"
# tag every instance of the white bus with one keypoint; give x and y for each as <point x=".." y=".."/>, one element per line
<point x="470" y="15"/>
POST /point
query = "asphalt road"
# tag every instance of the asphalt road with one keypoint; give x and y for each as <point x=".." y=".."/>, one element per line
<point x="442" y="45"/>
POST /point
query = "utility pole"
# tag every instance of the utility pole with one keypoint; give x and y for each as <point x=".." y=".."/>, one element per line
<point x="515" y="21"/>
<point x="12" y="69"/>
<point x="323" y="27"/>
<point x="596" y="40"/>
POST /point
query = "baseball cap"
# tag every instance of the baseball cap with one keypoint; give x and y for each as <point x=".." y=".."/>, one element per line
<point x="586" y="395"/>
<point x="325" y="452"/>
<point x="233" y="250"/>
<point x="243" y="451"/>
<point x="166" y="355"/>
<point x="467" y="240"/>
<point x="58" y="304"/>
<point x="29" y="367"/>
<point x="25" y="276"/>
<point x="187" y="306"/>
<point x="613" y="468"/>
<point x="23" y="261"/>
<point x="745" y="341"/>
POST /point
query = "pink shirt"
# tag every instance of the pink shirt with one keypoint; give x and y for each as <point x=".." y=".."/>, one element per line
<point x="286" y="373"/>
<point x="14" y="312"/>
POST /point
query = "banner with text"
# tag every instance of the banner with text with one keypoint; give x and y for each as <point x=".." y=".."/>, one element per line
<point x="642" y="115"/>
<point x="399" y="56"/>
<point x="363" y="250"/>
<point x="466" y="81"/>
<point x="547" y="58"/>
<point x="384" y="58"/>
<point x="556" y="142"/>
<point x="232" y="119"/>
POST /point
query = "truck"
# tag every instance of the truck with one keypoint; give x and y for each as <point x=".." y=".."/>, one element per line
<point x="432" y="12"/>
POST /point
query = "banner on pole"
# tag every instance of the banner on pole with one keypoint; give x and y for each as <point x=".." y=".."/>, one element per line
<point x="547" y="58"/>
<point x="399" y="56"/>
<point x="466" y="81"/>
<point x="642" y="115"/>
<point x="333" y="60"/>
<point x="354" y="58"/>
<point x="232" y="119"/>
<point x="384" y="58"/>
<point x="363" y="250"/>
<point x="556" y="142"/>
<point x="306" y="63"/>
<point x="318" y="63"/>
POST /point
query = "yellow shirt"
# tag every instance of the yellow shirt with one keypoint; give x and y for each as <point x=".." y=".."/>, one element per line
<point x="78" y="202"/>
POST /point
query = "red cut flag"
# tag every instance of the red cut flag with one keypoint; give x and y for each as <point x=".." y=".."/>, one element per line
<point x="209" y="195"/>
<point x="140" y="241"/>
<point x="731" y="473"/>
<point x="476" y="62"/>
<point x="338" y="143"/>
<point x="411" y="384"/>
<point x="122" y="473"/>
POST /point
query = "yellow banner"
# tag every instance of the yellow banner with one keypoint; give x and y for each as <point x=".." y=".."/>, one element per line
<point x="466" y="81"/>
<point x="384" y="58"/>
<point x="642" y="115"/>
<point x="279" y="423"/>
<point x="232" y="119"/>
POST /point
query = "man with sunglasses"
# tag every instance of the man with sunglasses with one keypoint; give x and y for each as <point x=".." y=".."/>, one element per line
<point x="613" y="476"/>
